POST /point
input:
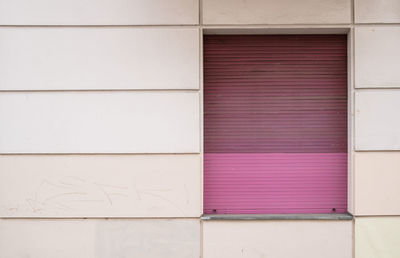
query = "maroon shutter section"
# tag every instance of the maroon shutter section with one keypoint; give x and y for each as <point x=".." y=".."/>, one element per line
<point x="275" y="123"/>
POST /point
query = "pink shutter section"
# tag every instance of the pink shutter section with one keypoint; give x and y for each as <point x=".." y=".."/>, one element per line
<point x="275" y="124"/>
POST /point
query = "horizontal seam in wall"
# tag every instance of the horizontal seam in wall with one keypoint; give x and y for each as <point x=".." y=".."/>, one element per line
<point x="194" y="26"/>
<point x="96" y="154"/>
<point x="377" y="24"/>
<point x="99" y="218"/>
<point x="101" y="90"/>
<point x="376" y="151"/>
<point x="378" y="88"/>
<point x="98" y="26"/>
<point x="374" y="216"/>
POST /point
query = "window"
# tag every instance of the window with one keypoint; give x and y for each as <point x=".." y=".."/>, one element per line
<point x="275" y="124"/>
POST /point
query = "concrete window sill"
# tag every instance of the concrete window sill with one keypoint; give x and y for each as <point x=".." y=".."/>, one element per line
<point x="333" y="216"/>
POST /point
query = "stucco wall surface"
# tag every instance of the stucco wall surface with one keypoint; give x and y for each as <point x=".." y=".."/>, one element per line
<point x="377" y="125"/>
<point x="94" y="12"/>
<point x="276" y="12"/>
<point x="99" y="122"/>
<point x="100" y="186"/>
<point x="377" y="181"/>
<point x="377" y="11"/>
<point x="377" y="57"/>
<point x="99" y="238"/>
<point x="278" y="239"/>
<point x="82" y="58"/>
<point x="377" y="237"/>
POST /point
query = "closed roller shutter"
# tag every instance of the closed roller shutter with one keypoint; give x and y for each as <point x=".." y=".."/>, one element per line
<point x="275" y="124"/>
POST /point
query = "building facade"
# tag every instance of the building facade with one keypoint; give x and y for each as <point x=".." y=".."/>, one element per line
<point x="102" y="130"/>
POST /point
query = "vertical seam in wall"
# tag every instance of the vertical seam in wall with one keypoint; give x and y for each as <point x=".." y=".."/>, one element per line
<point x="201" y="239"/>
<point x="354" y="218"/>
<point x="353" y="167"/>
<point x="354" y="117"/>
<point x="353" y="237"/>
<point x="201" y="122"/>
<point x="200" y="12"/>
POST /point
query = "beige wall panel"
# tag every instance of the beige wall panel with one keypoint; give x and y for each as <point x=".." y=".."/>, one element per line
<point x="377" y="122"/>
<point x="277" y="239"/>
<point x="377" y="57"/>
<point x="377" y="11"/>
<point x="98" y="58"/>
<point x="377" y="183"/>
<point x="276" y="11"/>
<point x="100" y="186"/>
<point x="94" y="12"/>
<point x="99" y="122"/>
<point x="99" y="238"/>
<point x="377" y="237"/>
